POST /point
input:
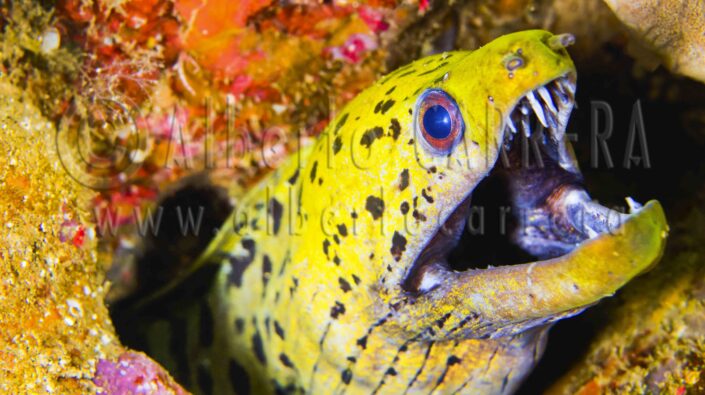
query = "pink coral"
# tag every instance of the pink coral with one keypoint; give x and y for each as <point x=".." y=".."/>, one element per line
<point x="134" y="373"/>
<point x="374" y="18"/>
<point x="354" y="48"/>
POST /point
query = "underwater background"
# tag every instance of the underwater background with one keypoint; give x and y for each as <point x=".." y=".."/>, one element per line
<point x="108" y="104"/>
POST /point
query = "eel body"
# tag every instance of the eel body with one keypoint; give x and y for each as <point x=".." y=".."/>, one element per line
<point x="343" y="271"/>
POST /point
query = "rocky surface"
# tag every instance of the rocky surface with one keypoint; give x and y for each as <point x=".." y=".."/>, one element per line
<point x="670" y="31"/>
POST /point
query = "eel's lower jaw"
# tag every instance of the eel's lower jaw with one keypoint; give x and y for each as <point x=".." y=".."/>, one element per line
<point x="567" y="219"/>
<point x="507" y="300"/>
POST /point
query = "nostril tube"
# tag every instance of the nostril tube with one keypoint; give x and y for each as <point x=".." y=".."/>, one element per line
<point x="513" y="62"/>
<point x="560" y="41"/>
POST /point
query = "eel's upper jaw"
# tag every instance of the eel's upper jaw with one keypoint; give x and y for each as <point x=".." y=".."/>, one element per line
<point x="582" y="250"/>
<point x="543" y="113"/>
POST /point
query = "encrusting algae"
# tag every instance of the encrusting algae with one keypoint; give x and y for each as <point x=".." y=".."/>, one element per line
<point x="55" y="333"/>
<point x="51" y="315"/>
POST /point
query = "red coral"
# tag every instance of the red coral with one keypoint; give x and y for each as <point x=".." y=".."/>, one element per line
<point x="79" y="237"/>
<point x="215" y="32"/>
<point x="125" y="45"/>
<point x="307" y="21"/>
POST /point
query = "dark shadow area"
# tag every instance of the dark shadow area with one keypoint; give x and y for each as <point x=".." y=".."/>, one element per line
<point x="485" y="240"/>
<point x="175" y="246"/>
<point x="167" y="254"/>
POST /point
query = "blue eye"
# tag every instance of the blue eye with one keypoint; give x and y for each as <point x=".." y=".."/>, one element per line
<point x="438" y="121"/>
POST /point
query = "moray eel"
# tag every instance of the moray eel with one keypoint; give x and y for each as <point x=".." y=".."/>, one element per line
<point x="333" y="274"/>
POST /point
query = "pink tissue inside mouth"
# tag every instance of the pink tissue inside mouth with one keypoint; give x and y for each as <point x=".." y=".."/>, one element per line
<point x="134" y="373"/>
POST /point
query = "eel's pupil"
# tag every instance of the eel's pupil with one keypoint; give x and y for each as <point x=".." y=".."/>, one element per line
<point x="437" y="122"/>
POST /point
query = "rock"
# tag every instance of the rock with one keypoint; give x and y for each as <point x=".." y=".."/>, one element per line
<point x="53" y="324"/>
<point x="54" y="327"/>
<point x="674" y="30"/>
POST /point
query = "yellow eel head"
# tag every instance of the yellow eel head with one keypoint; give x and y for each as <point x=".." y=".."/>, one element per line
<point x="403" y="161"/>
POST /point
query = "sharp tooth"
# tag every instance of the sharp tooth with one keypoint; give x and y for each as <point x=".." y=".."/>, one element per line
<point x="568" y="86"/>
<point x="591" y="232"/>
<point x="560" y="94"/>
<point x="543" y="92"/>
<point x="429" y="280"/>
<point x="634" y="206"/>
<point x="552" y="120"/>
<point x="537" y="108"/>
<point x="511" y="125"/>
<point x="557" y="134"/>
<point x="524" y="109"/>
<point x="568" y="89"/>
<point x="508" y="138"/>
<point x="562" y="97"/>
<point x="526" y="125"/>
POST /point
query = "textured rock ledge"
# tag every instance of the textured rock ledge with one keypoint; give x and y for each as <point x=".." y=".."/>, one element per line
<point x="55" y="333"/>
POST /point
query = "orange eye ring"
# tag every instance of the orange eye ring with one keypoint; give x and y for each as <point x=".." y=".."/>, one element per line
<point x="438" y="121"/>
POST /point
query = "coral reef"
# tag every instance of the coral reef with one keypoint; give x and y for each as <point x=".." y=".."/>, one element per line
<point x="121" y="77"/>
<point x="236" y="90"/>
<point x="54" y="327"/>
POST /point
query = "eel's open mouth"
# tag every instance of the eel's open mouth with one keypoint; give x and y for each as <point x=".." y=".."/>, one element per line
<point x="531" y="206"/>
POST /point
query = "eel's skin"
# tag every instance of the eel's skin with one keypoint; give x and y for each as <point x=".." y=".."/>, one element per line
<point x="307" y="295"/>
